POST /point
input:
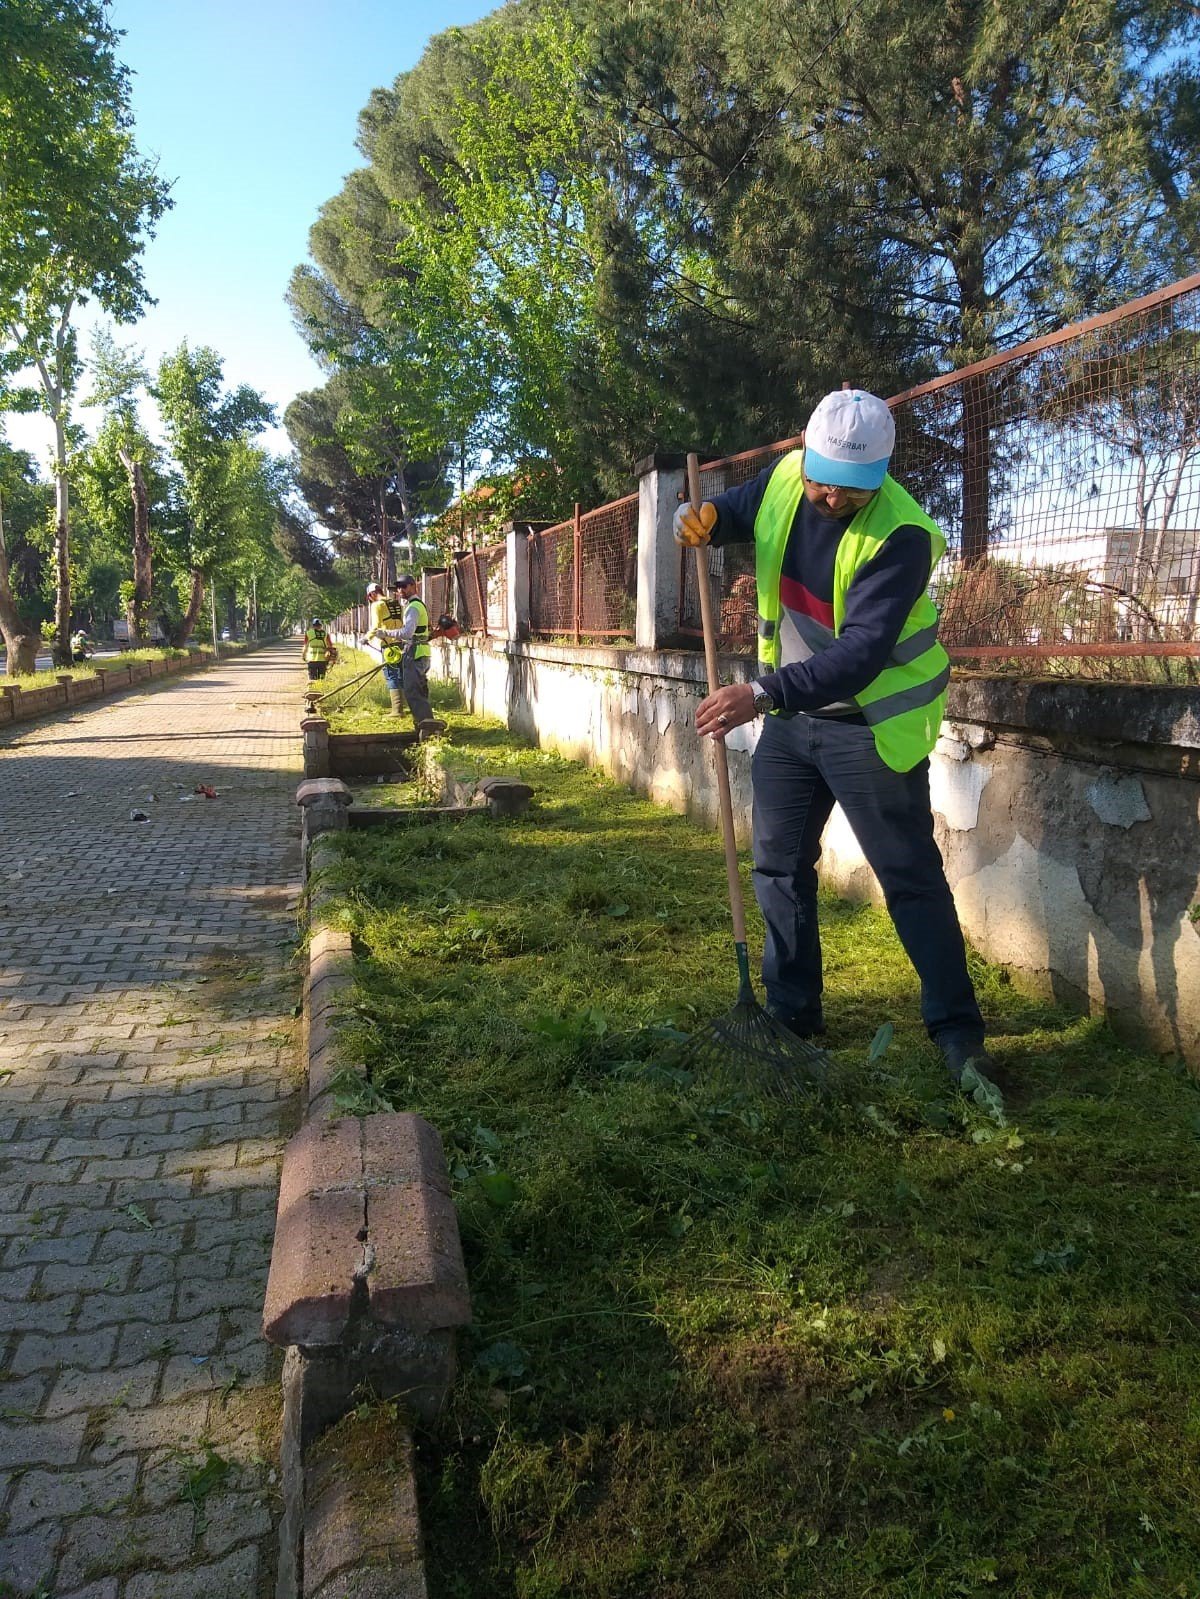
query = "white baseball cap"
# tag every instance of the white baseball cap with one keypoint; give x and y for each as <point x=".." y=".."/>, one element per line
<point x="849" y="440"/>
<point x="373" y="588"/>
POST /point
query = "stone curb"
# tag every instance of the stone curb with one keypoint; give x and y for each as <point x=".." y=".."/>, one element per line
<point x="68" y="693"/>
<point x="367" y="1287"/>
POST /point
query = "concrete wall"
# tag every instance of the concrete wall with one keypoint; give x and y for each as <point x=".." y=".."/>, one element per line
<point x="1068" y="813"/>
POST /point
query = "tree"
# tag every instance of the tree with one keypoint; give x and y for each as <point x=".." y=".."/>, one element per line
<point x="209" y="434"/>
<point x="23" y="507"/>
<point x="989" y="173"/>
<point x="117" y="377"/>
<point x="354" y="464"/>
<point x="75" y="204"/>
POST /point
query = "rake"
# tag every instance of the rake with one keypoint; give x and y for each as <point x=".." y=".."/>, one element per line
<point x="746" y="1047"/>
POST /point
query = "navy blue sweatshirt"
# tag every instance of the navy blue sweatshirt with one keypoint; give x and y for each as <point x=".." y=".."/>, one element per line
<point x="878" y="601"/>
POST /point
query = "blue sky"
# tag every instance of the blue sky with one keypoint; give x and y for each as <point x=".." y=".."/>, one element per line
<point x="250" y="109"/>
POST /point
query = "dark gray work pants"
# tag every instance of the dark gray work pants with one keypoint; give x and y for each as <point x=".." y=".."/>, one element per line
<point x="803" y="766"/>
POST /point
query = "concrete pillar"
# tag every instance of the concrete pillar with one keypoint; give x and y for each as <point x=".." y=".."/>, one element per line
<point x="316" y="746"/>
<point x="517" y="589"/>
<point x="661" y="478"/>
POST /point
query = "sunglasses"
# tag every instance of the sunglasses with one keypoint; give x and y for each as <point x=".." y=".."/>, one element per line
<point x="855" y="497"/>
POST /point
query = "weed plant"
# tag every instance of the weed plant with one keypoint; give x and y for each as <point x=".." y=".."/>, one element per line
<point x="896" y="1344"/>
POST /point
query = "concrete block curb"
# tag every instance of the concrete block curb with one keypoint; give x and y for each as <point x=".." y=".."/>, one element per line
<point x="367" y="1288"/>
<point x="366" y="1235"/>
<point x="67" y="692"/>
<point x="354" y="1494"/>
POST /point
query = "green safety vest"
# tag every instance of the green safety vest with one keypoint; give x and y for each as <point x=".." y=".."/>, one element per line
<point x="904" y="705"/>
<point x="393" y="652"/>
<point x="316" y="647"/>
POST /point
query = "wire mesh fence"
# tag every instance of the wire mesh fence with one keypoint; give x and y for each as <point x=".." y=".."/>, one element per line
<point x="583" y="575"/>
<point x="730" y="568"/>
<point x="437" y="592"/>
<point x="481" y="581"/>
<point x="1066" y="474"/>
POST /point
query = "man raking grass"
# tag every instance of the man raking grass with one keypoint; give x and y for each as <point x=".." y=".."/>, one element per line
<point x="851" y="689"/>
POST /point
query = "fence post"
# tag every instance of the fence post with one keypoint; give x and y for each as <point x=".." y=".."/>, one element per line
<point x="660" y="485"/>
<point x="516" y="554"/>
<point x="577" y="584"/>
<point x="479" y="594"/>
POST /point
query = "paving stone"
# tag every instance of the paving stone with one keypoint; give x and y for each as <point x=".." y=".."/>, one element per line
<point x="40" y="1315"/>
<point x="52" y="1442"/>
<point x="233" y="1519"/>
<point x="111" y="1547"/>
<point x="237" y="1575"/>
<point x="102" y="1310"/>
<point x="110" y="1276"/>
<point x="16" y="1282"/>
<point x="52" y="1496"/>
<point x="28" y="1557"/>
<point x="129" y="1386"/>
<point x="87" y="1352"/>
<point x="176" y="1426"/>
<point x="144" y="1342"/>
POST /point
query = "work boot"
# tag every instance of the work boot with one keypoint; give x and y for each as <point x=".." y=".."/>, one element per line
<point x="396" y="695"/>
<point x="805" y="1024"/>
<point x="431" y="727"/>
<point x="959" y="1053"/>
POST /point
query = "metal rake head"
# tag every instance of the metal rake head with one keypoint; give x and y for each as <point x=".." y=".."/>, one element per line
<point x="748" y="1049"/>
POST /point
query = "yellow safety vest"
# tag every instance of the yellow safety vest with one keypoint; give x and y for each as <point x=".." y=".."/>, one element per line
<point x="904" y="705"/>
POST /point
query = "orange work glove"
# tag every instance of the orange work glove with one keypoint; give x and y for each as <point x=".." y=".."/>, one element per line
<point x="694" y="527"/>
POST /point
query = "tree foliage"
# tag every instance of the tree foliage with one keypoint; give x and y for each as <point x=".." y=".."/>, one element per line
<point x="75" y="203"/>
<point x="587" y="228"/>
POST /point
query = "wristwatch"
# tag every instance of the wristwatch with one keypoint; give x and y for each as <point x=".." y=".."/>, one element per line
<point x="763" y="703"/>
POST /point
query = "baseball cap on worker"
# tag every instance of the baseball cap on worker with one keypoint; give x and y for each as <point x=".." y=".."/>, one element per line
<point x="849" y="440"/>
<point x="405" y="581"/>
<point x="373" y="588"/>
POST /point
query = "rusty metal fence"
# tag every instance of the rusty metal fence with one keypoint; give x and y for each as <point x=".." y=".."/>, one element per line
<point x="480" y="579"/>
<point x="1066" y="475"/>
<point x="583" y="575"/>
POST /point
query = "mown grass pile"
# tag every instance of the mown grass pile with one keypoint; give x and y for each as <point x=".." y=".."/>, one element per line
<point x="887" y="1345"/>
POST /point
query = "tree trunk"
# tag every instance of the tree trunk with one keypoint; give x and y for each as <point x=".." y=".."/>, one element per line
<point x="20" y="637"/>
<point x="137" y="612"/>
<point x="195" y="601"/>
<point x="406" y="511"/>
<point x="62" y="547"/>
<point x="387" y="561"/>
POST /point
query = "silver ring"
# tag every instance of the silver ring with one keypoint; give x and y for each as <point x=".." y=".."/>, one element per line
<point x="722" y="719"/>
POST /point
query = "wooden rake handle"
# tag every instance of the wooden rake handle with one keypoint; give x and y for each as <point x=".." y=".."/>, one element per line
<point x="737" y="904"/>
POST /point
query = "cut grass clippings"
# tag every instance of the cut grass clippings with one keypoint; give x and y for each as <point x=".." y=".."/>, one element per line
<point x="888" y="1345"/>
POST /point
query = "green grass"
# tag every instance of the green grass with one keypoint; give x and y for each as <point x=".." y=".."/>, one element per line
<point x="882" y="1346"/>
<point x="368" y="709"/>
<point x="44" y="679"/>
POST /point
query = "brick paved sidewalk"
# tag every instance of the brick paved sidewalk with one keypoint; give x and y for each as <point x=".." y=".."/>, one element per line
<point x="148" y="1077"/>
